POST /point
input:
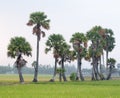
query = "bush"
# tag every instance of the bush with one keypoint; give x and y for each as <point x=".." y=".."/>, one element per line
<point x="73" y="76"/>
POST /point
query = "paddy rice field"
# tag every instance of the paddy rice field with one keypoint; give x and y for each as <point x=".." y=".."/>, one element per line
<point x="11" y="88"/>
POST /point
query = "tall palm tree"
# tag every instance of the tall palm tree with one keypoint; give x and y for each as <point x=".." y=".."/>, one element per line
<point x="54" y="43"/>
<point x="96" y="49"/>
<point x="109" y="42"/>
<point x="19" y="46"/>
<point x="38" y="20"/>
<point x="79" y="42"/>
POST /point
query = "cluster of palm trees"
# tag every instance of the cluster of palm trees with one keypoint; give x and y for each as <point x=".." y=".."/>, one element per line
<point x="101" y="41"/>
<point x="91" y="46"/>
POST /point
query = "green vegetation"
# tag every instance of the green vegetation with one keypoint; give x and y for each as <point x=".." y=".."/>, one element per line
<point x="102" y="42"/>
<point x="10" y="88"/>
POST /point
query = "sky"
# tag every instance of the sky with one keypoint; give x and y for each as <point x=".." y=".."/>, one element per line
<point x="67" y="17"/>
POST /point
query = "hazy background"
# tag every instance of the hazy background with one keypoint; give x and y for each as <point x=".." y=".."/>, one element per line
<point x="67" y="17"/>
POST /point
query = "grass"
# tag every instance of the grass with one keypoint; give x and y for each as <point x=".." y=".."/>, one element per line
<point x="10" y="88"/>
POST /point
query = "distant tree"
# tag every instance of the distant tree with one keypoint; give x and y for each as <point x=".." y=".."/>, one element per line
<point x="19" y="46"/>
<point x="39" y="20"/>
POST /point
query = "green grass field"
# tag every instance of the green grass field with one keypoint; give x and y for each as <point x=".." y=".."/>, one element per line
<point x="10" y="88"/>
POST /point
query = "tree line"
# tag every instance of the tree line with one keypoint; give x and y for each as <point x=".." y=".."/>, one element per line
<point x="43" y="69"/>
<point x="94" y="46"/>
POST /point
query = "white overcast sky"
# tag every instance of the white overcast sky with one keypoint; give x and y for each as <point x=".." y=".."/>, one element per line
<point x="67" y="17"/>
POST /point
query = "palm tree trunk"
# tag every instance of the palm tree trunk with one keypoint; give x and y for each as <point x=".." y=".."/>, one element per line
<point x="100" y="65"/>
<point x="20" y="74"/>
<point x="60" y="76"/>
<point x="79" y="68"/>
<point x="77" y="74"/>
<point x="95" y="69"/>
<point x="55" y="69"/>
<point x="109" y="74"/>
<point x="63" y="73"/>
<point x="101" y="76"/>
<point x="37" y="62"/>
<point x="107" y="52"/>
<point x="93" y="76"/>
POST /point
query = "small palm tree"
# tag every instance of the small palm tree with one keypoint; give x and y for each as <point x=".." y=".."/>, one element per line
<point x="111" y="66"/>
<point x="19" y="46"/>
<point x="38" y="20"/>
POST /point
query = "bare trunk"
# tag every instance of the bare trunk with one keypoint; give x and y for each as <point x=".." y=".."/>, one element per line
<point x="93" y="76"/>
<point x="55" y="69"/>
<point x="109" y="74"/>
<point x="107" y="54"/>
<point x="60" y="76"/>
<point x="37" y="62"/>
<point x="20" y="74"/>
<point x="63" y="73"/>
<point x="79" y="68"/>
<point x="95" y="68"/>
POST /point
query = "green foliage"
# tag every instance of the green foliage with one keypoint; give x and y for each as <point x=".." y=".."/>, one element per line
<point x="18" y="44"/>
<point x="73" y="76"/>
<point x="54" y="43"/>
<point x="60" y="70"/>
<point x="79" y="41"/>
<point x="79" y="37"/>
<point x="111" y="61"/>
<point x="40" y="18"/>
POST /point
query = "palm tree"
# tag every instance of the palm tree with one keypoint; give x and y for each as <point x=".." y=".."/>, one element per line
<point x="64" y="53"/>
<point x="109" y="42"/>
<point x="19" y="46"/>
<point x="79" y="42"/>
<point x="111" y="66"/>
<point x="54" y="43"/>
<point x="96" y="49"/>
<point x="38" y="19"/>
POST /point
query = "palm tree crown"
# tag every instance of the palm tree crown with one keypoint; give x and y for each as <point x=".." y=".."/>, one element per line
<point x="39" y="19"/>
<point x="18" y="44"/>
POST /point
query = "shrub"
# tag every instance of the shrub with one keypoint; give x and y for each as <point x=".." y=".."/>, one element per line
<point x="73" y="76"/>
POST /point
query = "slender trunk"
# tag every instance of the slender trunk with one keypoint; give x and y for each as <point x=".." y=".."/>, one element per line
<point x="20" y="74"/>
<point x="95" y="68"/>
<point x="37" y="62"/>
<point x="110" y="73"/>
<point x="78" y="74"/>
<point x="79" y="68"/>
<point x="100" y="65"/>
<point x="63" y="68"/>
<point x="55" y="69"/>
<point x="93" y="76"/>
<point x="103" y="59"/>
<point x="107" y="54"/>
<point x="60" y="76"/>
<point x="101" y="76"/>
